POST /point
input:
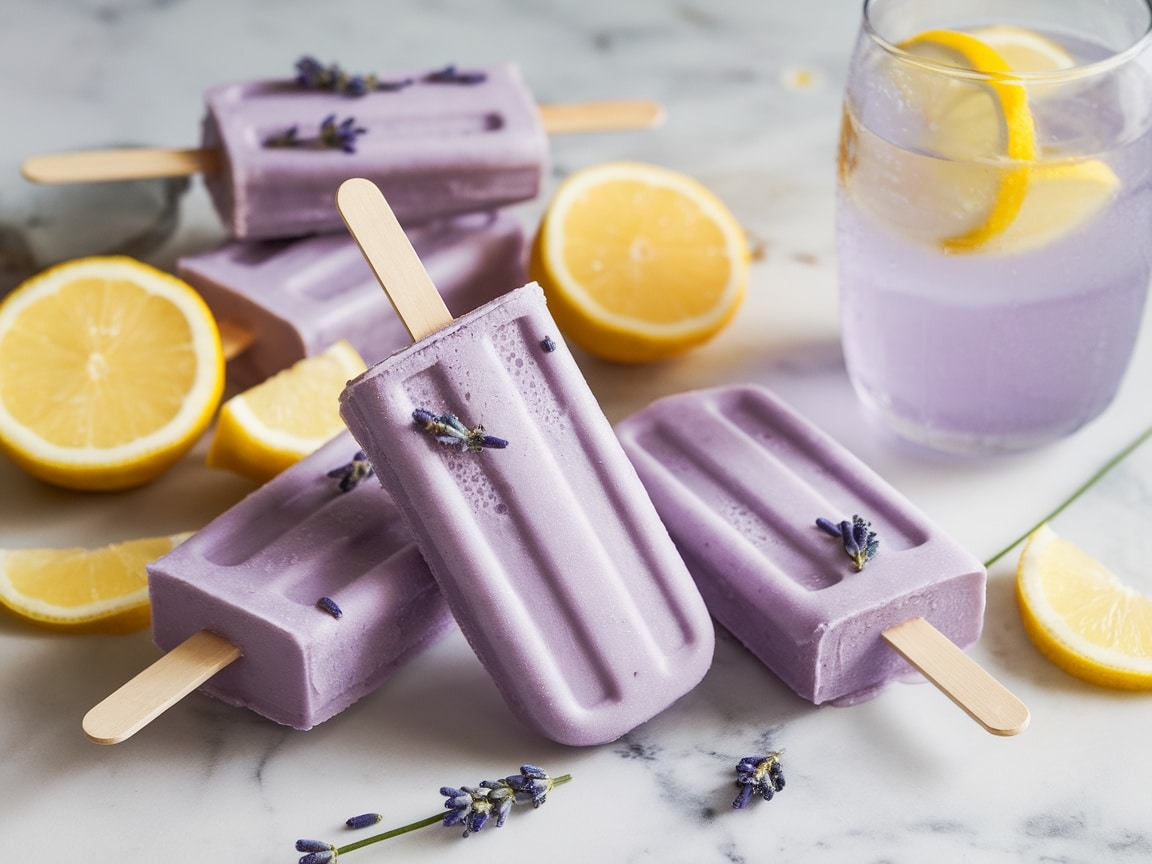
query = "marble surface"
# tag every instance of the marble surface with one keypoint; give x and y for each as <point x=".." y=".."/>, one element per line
<point x="753" y="91"/>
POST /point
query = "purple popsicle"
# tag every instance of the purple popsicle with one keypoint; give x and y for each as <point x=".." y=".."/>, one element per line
<point x="740" y="479"/>
<point x="293" y="298"/>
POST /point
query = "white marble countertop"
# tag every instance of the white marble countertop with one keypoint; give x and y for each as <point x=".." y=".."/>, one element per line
<point x="752" y="89"/>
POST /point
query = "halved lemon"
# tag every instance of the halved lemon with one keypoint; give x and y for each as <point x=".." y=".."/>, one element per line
<point x="83" y="590"/>
<point x="639" y="262"/>
<point x="1081" y="616"/>
<point x="109" y="372"/>
<point x="275" y="424"/>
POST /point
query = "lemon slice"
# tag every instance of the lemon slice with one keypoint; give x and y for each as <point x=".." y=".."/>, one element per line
<point x="1081" y="616"/>
<point x="109" y="372"/>
<point x="1060" y="198"/>
<point x="980" y="128"/>
<point x="639" y="262"/>
<point x="1025" y="51"/>
<point x="91" y="591"/>
<point x="275" y="424"/>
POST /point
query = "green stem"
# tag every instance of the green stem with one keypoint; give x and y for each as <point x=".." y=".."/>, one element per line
<point x="395" y="832"/>
<point x="1091" y="481"/>
<point x="416" y="826"/>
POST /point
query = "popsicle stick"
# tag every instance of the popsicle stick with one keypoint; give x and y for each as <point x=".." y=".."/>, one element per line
<point x="391" y="257"/>
<point x="235" y="338"/>
<point x="601" y="116"/>
<point x="144" y="698"/>
<point x="137" y="163"/>
<point x="960" y="677"/>
<point x="128" y="163"/>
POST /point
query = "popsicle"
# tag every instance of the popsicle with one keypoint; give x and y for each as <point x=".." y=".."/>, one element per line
<point x="740" y="480"/>
<point x="273" y="152"/>
<point x="532" y="520"/>
<point x="283" y="300"/>
<point x="296" y="602"/>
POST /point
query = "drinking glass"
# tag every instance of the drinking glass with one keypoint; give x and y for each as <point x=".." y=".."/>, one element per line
<point x="994" y="214"/>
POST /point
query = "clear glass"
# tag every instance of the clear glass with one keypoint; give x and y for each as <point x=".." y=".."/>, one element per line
<point x="994" y="214"/>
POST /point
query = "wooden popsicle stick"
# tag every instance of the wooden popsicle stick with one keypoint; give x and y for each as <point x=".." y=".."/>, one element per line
<point x="235" y="338"/>
<point x="128" y="163"/>
<point x="137" y="163"/>
<point x="959" y="677"/>
<point x="391" y="257"/>
<point x="141" y="700"/>
<point x="601" y="116"/>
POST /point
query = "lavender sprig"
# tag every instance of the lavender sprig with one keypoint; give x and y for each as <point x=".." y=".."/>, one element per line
<point x="860" y="541"/>
<point x="448" y="429"/>
<point x="333" y="135"/>
<point x="451" y="75"/>
<point x="351" y="474"/>
<point x="474" y="807"/>
<point x="311" y="74"/>
<point x="758" y="775"/>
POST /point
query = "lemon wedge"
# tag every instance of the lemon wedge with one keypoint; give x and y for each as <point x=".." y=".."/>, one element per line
<point x="1081" y="616"/>
<point x="639" y="262"/>
<point x="275" y="424"/>
<point x="110" y="370"/>
<point x="83" y="590"/>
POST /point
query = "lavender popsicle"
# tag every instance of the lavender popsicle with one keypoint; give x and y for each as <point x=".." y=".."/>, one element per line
<point x="740" y="480"/>
<point x="440" y="143"/>
<point x="308" y="594"/>
<point x="292" y="299"/>
<point x="549" y="552"/>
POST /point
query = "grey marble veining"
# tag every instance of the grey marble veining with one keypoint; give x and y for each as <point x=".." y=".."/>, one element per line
<point x="752" y="89"/>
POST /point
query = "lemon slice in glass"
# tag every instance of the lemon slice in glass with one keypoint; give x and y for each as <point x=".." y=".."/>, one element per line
<point x="978" y="127"/>
<point x="1081" y="616"/>
<point x="1025" y="51"/>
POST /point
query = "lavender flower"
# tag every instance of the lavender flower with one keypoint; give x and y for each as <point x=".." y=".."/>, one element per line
<point x="449" y="430"/>
<point x="531" y="784"/>
<point x="318" y="851"/>
<point x="758" y="775"/>
<point x="352" y="473"/>
<point x="340" y="135"/>
<point x="470" y="806"/>
<point x="364" y="820"/>
<point x="332" y="136"/>
<point x="450" y="75"/>
<point x="860" y="541"/>
<point x="311" y="74"/>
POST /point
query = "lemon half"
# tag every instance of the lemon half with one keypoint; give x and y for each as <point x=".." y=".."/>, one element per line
<point x="639" y="262"/>
<point x="109" y="372"/>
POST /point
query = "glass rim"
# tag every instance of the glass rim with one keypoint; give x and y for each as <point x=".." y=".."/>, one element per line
<point x="1053" y="76"/>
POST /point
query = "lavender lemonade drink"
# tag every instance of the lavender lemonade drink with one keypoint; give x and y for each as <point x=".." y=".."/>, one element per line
<point x="994" y="220"/>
